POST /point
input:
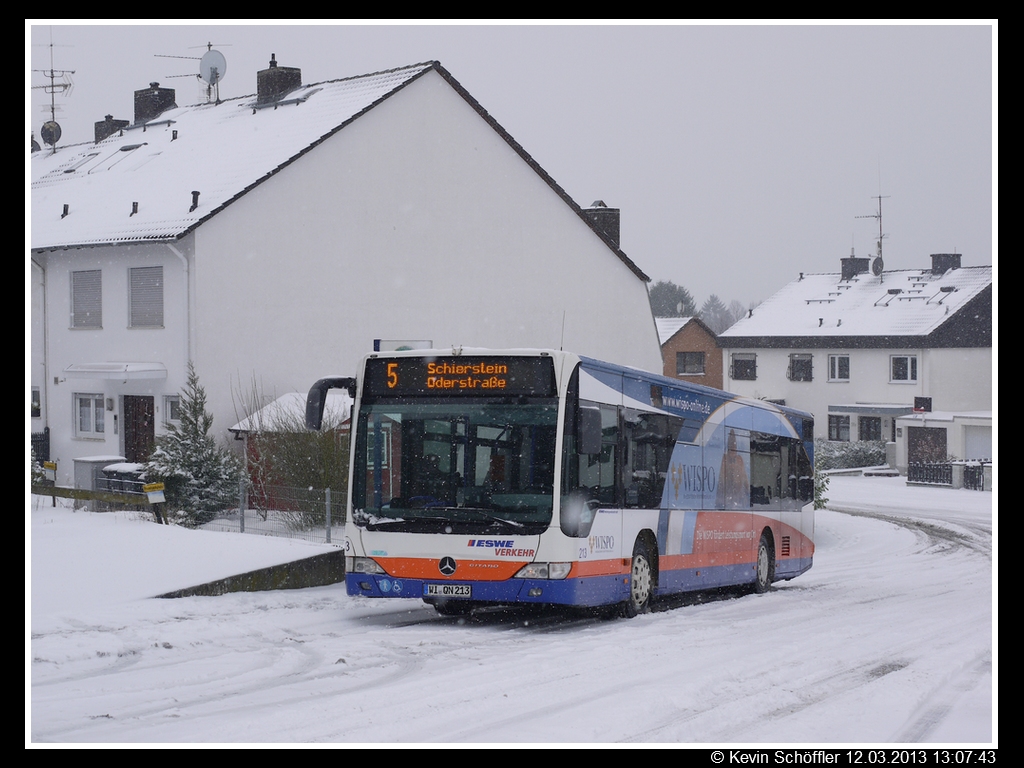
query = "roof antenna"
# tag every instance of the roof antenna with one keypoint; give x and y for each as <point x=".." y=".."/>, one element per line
<point x="212" y="68"/>
<point x="561" y="342"/>
<point x="50" y="131"/>
<point x="877" y="265"/>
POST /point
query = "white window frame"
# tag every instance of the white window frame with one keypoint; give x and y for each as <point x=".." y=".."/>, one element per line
<point x="838" y="426"/>
<point x="86" y="299"/>
<point x="172" y="403"/>
<point x="834" y="373"/>
<point x="146" y="297"/>
<point x="912" y="369"/>
<point x="702" y="366"/>
<point x="95" y="424"/>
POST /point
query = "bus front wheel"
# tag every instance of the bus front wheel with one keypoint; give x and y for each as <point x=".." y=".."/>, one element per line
<point x="641" y="582"/>
<point x="453" y="607"/>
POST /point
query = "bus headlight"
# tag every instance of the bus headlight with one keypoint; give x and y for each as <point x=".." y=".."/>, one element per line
<point x="558" y="570"/>
<point x="363" y="565"/>
<point x="544" y="571"/>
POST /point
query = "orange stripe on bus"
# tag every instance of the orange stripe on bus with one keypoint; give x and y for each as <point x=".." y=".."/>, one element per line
<point x="599" y="568"/>
<point x="426" y="568"/>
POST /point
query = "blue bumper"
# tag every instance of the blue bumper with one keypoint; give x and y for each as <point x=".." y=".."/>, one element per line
<point x="591" y="591"/>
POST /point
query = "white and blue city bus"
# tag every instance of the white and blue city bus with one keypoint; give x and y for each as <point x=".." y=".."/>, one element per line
<point x="484" y="477"/>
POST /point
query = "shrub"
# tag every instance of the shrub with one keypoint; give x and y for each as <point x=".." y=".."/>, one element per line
<point x="38" y="475"/>
<point x="820" y="489"/>
<point x="848" y="455"/>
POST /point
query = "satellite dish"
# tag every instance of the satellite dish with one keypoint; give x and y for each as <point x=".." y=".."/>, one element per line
<point x="212" y="67"/>
<point x="50" y="132"/>
<point x="876" y="266"/>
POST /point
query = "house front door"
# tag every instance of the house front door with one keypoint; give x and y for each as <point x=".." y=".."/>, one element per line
<point x="139" y="430"/>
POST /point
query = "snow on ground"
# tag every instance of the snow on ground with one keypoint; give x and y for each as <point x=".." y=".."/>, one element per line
<point x="85" y="560"/>
<point x="888" y="639"/>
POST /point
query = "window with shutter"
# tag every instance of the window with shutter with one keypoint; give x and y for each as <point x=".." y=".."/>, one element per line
<point x="146" y="297"/>
<point x="86" y="299"/>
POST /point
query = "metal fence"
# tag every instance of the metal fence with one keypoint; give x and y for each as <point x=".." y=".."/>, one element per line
<point x="934" y="473"/>
<point x="951" y="474"/>
<point x="974" y="476"/>
<point x="310" y="514"/>
<point x="120" y="483"/>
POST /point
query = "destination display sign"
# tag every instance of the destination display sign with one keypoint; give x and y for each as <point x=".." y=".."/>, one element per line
<point x="460" y="377"/>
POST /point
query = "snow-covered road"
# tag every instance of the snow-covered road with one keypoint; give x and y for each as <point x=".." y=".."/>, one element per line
<point x="887" y="639"/>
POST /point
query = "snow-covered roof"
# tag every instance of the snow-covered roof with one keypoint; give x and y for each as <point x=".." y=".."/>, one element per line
<point x="219" y="150"/>
<point x="669" y="327"/>
<point x="947" y="416"/>
<point x="139" y="185"/>
<point x="896" y="305"/>
<point x="288" y="413"/>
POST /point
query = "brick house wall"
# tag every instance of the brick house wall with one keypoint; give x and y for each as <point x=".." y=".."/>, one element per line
<point x="694" y="337"/>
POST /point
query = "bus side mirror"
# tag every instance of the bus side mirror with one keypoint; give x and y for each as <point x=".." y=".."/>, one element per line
<point x="588" y="430"/>
<point x="576" y="515"/>
<point x="317" y="399"/>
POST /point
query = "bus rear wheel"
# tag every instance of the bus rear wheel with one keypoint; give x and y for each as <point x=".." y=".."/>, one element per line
<point x="765" y="566"/>
<point x="641" y="582"/>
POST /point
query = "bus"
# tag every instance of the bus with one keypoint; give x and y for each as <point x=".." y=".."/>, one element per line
<point x="486" y="477"/>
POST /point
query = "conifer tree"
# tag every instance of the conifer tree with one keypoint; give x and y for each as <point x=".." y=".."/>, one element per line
<point x="715" y="314"/>
<point x="200" y="478"/>
<point x="671" y="300"/>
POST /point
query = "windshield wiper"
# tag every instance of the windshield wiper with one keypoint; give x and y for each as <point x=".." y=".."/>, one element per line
<point x="374" y="523"/>
<point x="412" y="516"/>
<point x="491" y="516"/>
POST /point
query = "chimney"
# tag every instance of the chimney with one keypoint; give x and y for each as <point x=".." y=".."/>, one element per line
<point x="943" y="262"/>
<point x="150" y="102"/>
<point x="108" y="127"/>
<point x="854" y="265"/>
<point x="605" y="219"/>
<point x="274" y="82"/>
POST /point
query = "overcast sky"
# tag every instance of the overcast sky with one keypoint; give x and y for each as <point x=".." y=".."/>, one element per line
<point x="740" y="155"/>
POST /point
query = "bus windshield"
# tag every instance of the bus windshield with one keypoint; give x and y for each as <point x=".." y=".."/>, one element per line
<point x="455" y="466"/>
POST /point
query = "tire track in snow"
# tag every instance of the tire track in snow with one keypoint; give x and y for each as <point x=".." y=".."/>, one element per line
<point x="940" y="702"/>
<point x="746" y="709"/>
<point x="975" y="537"/>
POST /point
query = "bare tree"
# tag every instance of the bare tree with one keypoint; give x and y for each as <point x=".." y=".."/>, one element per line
<point x="737" y="311"/>
<point x="289" y="467"/>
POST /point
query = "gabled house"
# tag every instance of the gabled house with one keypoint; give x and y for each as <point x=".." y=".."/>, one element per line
<point x="863" y="347"/>
<point x="272" y="238"/>
<point x="689" y="350"/>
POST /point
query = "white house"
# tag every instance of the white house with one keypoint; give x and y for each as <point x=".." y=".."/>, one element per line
<point x="272" y="238"/>
<point x="862" y="347"/>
